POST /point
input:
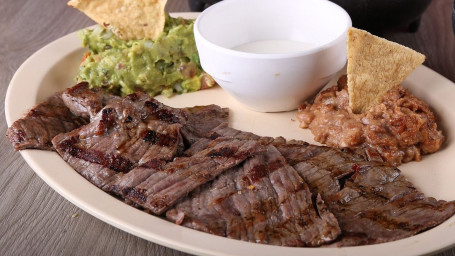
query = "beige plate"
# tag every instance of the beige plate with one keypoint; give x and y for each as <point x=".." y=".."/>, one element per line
<point x="53" y="68"/>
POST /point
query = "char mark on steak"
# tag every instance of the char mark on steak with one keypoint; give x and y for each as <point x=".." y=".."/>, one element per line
<point x="263" y="201"/>
<point x="37" y="128"/>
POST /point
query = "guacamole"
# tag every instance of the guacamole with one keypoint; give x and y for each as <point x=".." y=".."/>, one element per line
<point x="166" y="65"/>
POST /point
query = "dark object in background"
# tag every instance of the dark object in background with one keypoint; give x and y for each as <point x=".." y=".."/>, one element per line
<point x="377" y="15"/>
<point x="453" y="17"/>
<point x="200" y="5"/>
<point x="371" y="15"/>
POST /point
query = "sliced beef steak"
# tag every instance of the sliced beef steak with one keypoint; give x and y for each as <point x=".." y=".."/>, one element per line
<point x="263" y="201"/>
<point x="63" y="112"/>
<point x="156" y="189"/>
<point x="240" y="185"/>
<point x="86" y="102"/>
<point x="200" y="120"/>
<point x="140" y="132"/>
<point x="295" y="151"/>
<point x="74" y="107"/>
<point x="195" y="121"/>
<point x="373" y="203"/>
<point x="37" y="128"/>
<point x="123" y="135"/>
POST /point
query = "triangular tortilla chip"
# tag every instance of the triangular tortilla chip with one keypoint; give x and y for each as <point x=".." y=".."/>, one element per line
<point x="375" y="65"/>
<point x="128" y="19"/>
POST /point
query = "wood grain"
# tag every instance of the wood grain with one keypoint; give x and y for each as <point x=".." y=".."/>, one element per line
<point x="34" y="219"/>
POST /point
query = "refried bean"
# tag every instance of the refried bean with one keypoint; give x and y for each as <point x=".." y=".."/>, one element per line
<point x="399" y="129"/>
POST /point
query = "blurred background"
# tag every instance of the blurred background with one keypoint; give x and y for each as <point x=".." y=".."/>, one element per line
<point x="372" y="15"/>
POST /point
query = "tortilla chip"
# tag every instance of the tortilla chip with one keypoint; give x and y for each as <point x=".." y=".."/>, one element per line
<point x="375" y="65"/>
<point x="128" y="19"/>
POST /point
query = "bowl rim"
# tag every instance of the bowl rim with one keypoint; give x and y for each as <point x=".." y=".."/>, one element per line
<point x="203" y="40"/>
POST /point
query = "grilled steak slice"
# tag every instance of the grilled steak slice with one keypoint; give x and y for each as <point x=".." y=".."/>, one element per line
<point x="373" y="203"/>
<point x="156" y="189"/>
<point x="37" y="128"/>
<point x="123" y="135"/>
<point x="200" y="120"/>
<point x="222" y="131"/>
<point x="86" y="102"/>
<point x="195" y="121"/>
<point x="264" y="201"/>
<point x="295" y="151"/>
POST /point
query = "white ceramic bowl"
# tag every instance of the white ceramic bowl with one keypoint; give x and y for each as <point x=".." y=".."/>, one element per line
<point x="272" y="82"/>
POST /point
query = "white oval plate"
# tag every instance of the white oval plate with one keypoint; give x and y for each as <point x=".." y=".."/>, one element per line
<point x="53" y="68"/>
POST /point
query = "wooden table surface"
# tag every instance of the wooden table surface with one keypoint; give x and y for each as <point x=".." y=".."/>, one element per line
<point x="34" y="219"/>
